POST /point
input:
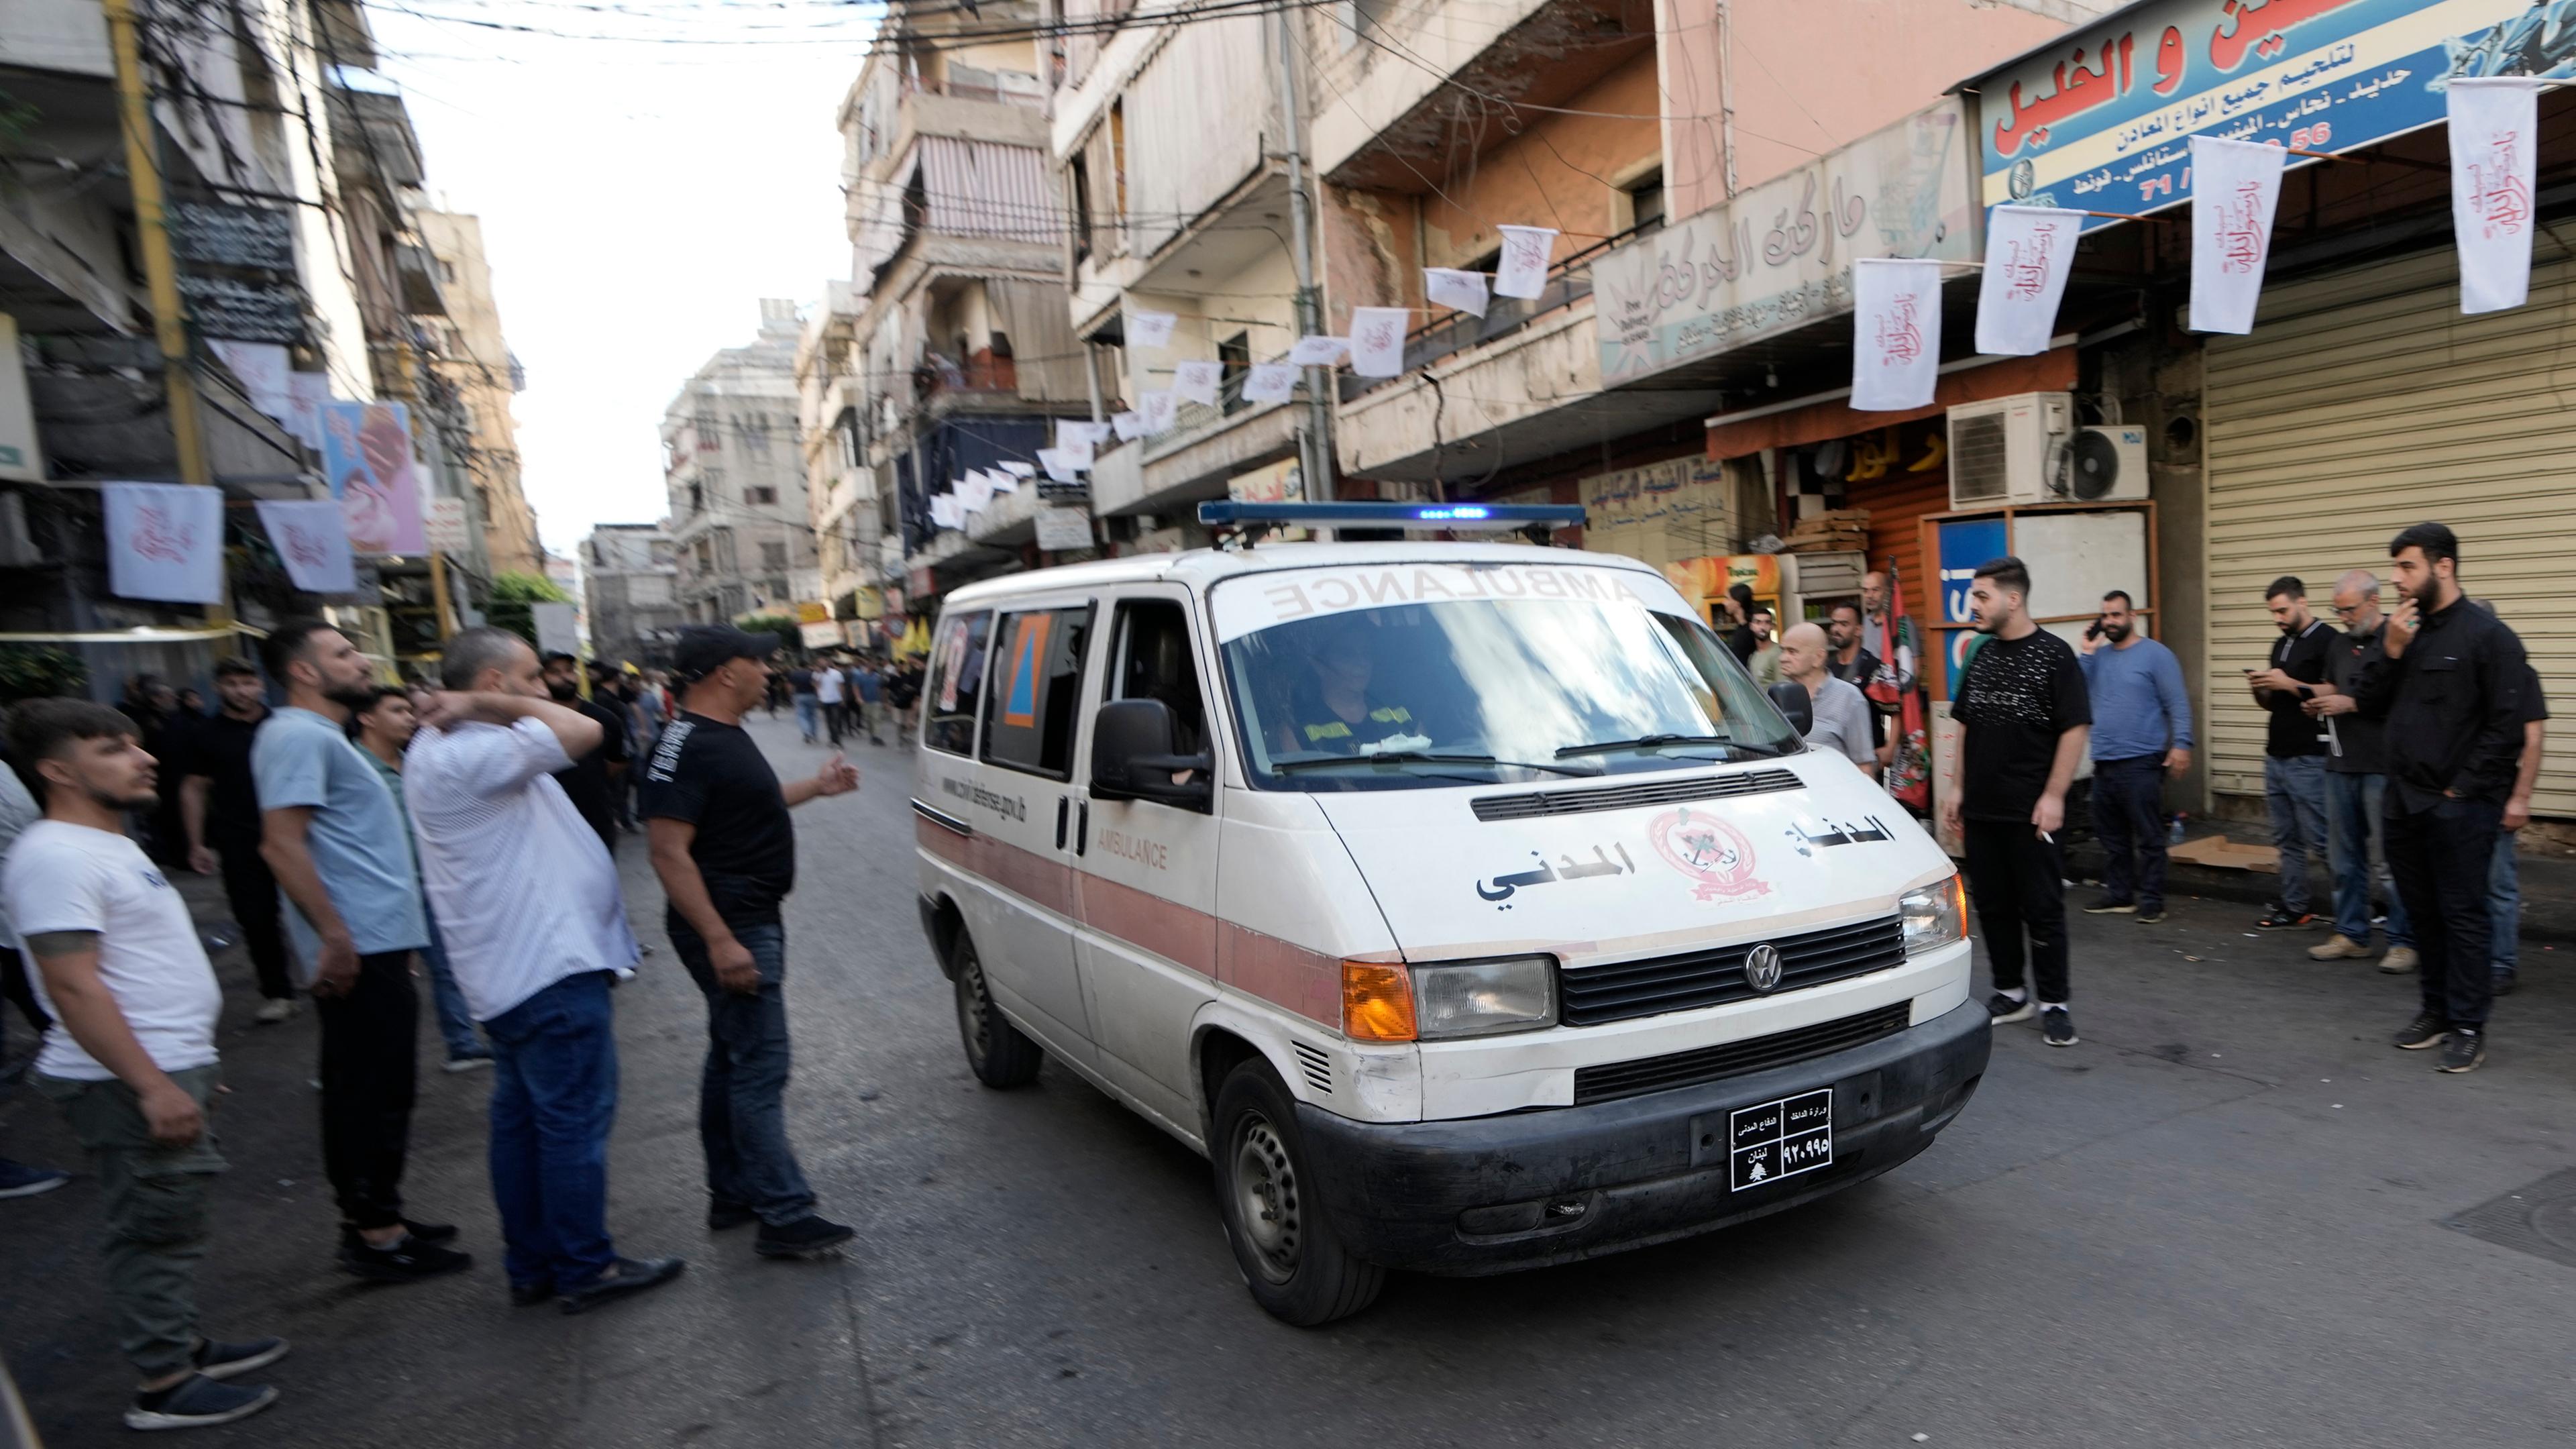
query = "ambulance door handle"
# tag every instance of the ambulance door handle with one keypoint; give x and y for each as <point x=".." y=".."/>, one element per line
<point x="1063" y="804"/>
<point x="1081" y="826"/>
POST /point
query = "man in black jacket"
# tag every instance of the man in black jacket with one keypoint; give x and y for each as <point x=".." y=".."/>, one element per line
<point x="2451" y="686"/>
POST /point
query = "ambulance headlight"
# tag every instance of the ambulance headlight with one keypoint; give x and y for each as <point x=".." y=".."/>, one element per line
<point x="1935" y="915"/>
<point x="1481" y="998"/>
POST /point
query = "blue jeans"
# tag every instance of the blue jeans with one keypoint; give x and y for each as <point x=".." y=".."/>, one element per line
<point x="2295" y="788"/>
<point x="2356" y="831"/>
<point x="742" y="1112"/>
<point x="2129" y="816"/>
<point x="2504" y="908"/>
<point x="554" y="1094"/>
<point x="455" y="1023"/>
<point x="809" y="716"/>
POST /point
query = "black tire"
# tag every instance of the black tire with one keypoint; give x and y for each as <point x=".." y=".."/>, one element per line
<point x="999" y="1053"/>
<point x="1283" y="1239"/>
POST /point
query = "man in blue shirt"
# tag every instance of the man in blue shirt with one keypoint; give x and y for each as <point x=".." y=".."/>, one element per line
<point x="2141" y="733"/>
<point x="334" y="839"/>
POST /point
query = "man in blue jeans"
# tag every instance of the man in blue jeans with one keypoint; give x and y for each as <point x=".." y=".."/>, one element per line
<point x="2141" y="733"/>
<point x="526" y="896"/>
<point x="2357" y="784"/>
<point x="2294" y="751"/>
<point x="384" y="730"/>
<point x="726" y="852"/>
<point x="2504" y="884"/>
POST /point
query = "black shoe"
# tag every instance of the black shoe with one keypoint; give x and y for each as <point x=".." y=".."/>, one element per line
<point x="2424" y="1031"/>
<point x="2466" y="1051"/>
<point x="2150" y="915"/>
<point x="2109" y="907"/>
<point x="802" y="1238"/>
<point x="406" y="1260"/>
<point x="196" y="1402"/>
<point x="724" y="1215"/>
<point x="2001" y="1009"/>
<point x="2282" y="917"/>
<point x="229" y="1360"/>
<point x="430" y="1232"/>
<point x="531" y="1294"/>
<point x="624" y="1277"/>
<point x="2504" y="983"/>
<point x="2058" y="1025"/>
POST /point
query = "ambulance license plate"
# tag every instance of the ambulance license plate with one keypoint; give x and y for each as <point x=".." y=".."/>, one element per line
<point x="1780" y="1139"/>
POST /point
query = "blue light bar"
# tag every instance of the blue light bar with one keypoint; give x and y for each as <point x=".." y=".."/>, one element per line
<point x="1502" y="516"/>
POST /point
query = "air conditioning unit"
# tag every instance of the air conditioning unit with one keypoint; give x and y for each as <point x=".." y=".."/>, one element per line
<point x="2102" y="465"/>
<point x="2004" y="451"/>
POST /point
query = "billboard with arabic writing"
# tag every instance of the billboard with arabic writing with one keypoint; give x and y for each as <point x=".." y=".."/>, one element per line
<point x="2102" y="120"/>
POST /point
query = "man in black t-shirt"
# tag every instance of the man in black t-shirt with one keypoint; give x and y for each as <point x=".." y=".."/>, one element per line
<point x="726" y="853"/>
<point x="594" y="781"/>
<point x="220" y="808"/>
<point x="2294" y="746"/>
<point x="2025" y="717"/>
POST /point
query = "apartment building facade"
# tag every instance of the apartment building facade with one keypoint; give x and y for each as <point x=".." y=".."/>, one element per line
<point x="630" y="592"/>
<point x="735" y="478"/>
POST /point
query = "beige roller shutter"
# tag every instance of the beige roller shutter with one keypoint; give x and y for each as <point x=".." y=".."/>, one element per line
<point x="2362" y="402"/>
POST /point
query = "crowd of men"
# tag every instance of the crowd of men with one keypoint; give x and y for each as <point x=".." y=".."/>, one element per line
<point x="470" y="826"/>
<point x="838" y="695"/>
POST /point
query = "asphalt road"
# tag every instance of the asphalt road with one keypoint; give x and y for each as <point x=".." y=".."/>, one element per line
<point x="2218" y="1220"/>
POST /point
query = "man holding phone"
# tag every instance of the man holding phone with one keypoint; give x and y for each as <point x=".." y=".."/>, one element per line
<point x="2294" y="746"/>
<point x="2142" y="734"/>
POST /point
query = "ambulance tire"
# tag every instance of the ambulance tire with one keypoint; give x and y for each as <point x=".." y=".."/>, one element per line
<point x="1283" y="1240"/>
<point x="1000" y="1055"/>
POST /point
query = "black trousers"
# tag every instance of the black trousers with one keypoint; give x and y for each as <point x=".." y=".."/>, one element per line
<point x="252" y="893"/>
<point x="370" y="1043"/>
<point x="2129" y="817"/>
<point x="2440" y="858"/>
<point x="2019" y="883"/>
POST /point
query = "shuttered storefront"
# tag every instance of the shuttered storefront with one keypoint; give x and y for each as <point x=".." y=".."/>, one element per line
<point x="2363" y="402"/>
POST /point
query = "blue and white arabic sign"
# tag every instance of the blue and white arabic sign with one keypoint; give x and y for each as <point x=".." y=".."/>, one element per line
<point x="2103" y="120"/>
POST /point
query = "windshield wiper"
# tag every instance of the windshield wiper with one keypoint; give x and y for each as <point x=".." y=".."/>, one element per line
<point x="1423" y="757"/>
<point x="1647" y="742"/>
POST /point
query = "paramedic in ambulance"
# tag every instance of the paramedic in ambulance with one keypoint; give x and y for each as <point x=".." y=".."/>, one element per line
<point x="1333" y="710"/>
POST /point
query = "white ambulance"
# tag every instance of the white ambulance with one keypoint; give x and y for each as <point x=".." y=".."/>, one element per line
<point x="1466" y="904"/>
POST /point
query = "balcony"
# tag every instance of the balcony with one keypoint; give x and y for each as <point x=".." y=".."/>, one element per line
<point x="1206" y="447"/>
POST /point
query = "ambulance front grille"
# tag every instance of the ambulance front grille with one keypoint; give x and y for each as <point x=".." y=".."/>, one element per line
<point x="1584" y="799"/>
<point x="1714" y="976"/>
<point x="1736" y="1058"/>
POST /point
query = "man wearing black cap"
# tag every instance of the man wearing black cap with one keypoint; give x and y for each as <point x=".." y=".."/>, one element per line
<point x="726" y="852"/>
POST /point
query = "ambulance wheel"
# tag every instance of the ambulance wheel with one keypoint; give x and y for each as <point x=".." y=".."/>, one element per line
<point x="1000" y="1055"/>
<point x="1283" y="1240"/>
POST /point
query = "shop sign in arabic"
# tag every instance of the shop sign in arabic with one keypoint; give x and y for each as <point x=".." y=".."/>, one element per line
<point x="2103" y="121"/>
<point x="244" y="311"/>
<point x="220" y="234"/>
<point x="1779" y="255"/>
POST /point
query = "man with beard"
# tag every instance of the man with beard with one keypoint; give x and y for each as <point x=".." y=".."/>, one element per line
<point x="1852" y="662"/>
<point x="336" y="843"/>
<point x="598" y="775"/>
<point x="2294" y="749"/>
<point x="2141" y="733"/>
<point x="221" y="810"/>
<point x="2357" y="785"/>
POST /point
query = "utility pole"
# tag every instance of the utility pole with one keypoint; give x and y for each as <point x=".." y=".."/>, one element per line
<point x="1315" y="441"/>
<point x="151" y="223"/>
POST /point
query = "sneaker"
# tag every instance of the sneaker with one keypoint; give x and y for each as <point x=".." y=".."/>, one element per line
<point x="529" y="1295"/>
<point x="420" y="1233"/>
<point x="2400" y="960"/>
<point x="722" y="1216"/>
<point x="17" y="1179"/>
<point x="2466" y="1051"/>
<point x="2058" y="1025"/>
<point x="2503" y="987"/>
<point x="408" y="1260"/>
<point x="196" y="1402"/>
<point x="625" y="1277"/>
<point x="2109" y="907"/>
<point x="229" y="1360"/>
<point x="275" y="1010"/>
<point x="803" y="1238"/>
<point x="2283" y="918"/>
<point x="2002" y="1009"/>
<point x="2151" y="915"/>
<point x="2338" y="947"/>
<point x="2425" y="1030"/>
<point x="466" y="1064"/>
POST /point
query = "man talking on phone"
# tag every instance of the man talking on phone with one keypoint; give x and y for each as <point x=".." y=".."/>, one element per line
<point x="2294" y="746"/>
<point x="2142" y="734"/>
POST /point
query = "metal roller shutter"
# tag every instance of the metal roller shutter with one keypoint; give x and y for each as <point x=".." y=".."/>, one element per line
<point x="2362" y="402"/>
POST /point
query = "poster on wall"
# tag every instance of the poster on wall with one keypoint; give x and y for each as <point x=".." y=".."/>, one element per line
<point x="1964" y="544"/>
<point x="366" y="455"/>
<point x="1660" y="513"/>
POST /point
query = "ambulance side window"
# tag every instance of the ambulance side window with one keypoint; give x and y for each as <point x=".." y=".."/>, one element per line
<point x="1037" y="686"/>
<point x="955" y="683"/>
<point x="1151" y="657"/>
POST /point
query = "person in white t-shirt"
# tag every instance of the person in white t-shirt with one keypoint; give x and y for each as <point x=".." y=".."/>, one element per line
<point x="130" y="1058"/>
<point x="526" y="898"/>
<point x="831" y="689"/>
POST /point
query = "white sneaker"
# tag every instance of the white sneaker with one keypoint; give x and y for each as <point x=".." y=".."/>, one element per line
<point x="275" y="1010"/>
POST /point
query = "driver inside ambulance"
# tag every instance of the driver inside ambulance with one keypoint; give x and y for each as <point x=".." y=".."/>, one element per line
<point x="1334" y="710"/>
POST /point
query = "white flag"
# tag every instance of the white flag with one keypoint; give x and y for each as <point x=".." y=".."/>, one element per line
<point x="2030" y="252"/>
<point x="2234" y="187"/>
<point x="1896" y="334"/>
<point x="165" y="541"/>
<point x="262" y="368"/>
<point x="1198" y="381"/>
<point x="1018" y="469"/>
<point x="306" y="392"/>
<point x="1130" y="426"/>
<point x="1150" y="329"/>
<point x="312" y="539"/>
<point x="1058" y="466"/>
<point x="2494" y="129"/>
<point x="1269" y="382"/>
<point x="1162" y="409"/>
<point x="1377" y="340"/>
<point x="1449" y="287"/>
<point x="1319" y="351"/>
<point x="1093" y="433"/>
<point x="1000" y="482"/>
<point x="1522" y="272"/>
<point x="1074" y="445"/>
<point x="973" y="493"/>
<point x="943" y="510"/>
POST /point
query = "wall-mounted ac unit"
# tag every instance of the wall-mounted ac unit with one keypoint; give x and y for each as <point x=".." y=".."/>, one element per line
<point x="2004" y="451"/>
<point x="2102" y="465"/>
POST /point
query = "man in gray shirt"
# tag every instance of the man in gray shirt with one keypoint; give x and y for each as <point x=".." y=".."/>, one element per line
<point x="1840" y="711"/>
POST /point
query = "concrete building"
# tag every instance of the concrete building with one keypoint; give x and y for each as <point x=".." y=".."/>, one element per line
<point x="736" y="477"/>
<point x="840" y="488"/>
<point x="473" y="357"/>
<point x="630" y="594"/>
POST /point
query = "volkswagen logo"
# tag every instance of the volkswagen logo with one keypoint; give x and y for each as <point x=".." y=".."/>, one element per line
<point x="1762" y="968"/>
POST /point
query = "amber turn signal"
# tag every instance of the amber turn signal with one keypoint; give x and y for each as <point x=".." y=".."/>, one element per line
<point x="1377" y="1001"/>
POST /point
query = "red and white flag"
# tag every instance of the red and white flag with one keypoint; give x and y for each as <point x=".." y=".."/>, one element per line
<point x="311" y="537"/>
<point x="2030" y="251"/>
<point x="1449" y="287"/>
<point x="1377" y="341"/>
<point x="2495" y="125"/>
<point x="165" y="541"/>
<point x="1150" y="329"/>
<point x="1522" y="271"/>
<point x="1198" y="381"/>
<point x="1269" y="382"/>
<point x="2235" y="186"/>
<point x="1161" y="409"/>
<point x="1896" y="338"/>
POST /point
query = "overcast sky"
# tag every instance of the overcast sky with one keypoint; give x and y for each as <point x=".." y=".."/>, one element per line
<point x="638" y="199"/>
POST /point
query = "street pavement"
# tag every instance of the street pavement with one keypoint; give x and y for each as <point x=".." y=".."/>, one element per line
<point x="2218" y="1220"/>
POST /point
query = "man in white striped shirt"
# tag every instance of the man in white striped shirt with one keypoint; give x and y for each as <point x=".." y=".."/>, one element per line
<point x="527" y="901"/>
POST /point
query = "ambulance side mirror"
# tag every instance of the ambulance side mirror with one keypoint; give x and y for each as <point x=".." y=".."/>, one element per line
<point x="1794" y="701"/>
<point x="1132" y="757"/>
